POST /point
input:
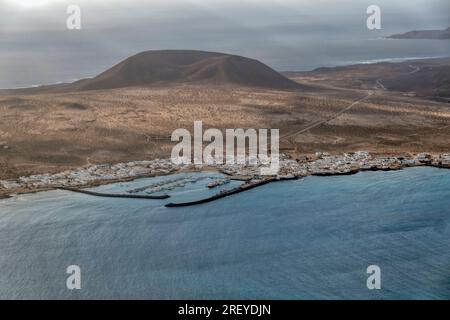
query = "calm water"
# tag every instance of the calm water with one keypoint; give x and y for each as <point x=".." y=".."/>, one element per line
<point x="312" y="238"/>
<point x="37" y="67"/>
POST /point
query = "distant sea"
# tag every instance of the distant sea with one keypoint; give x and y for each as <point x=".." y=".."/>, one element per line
<point x="307" y="239"/>
<point x="26" y="68"/>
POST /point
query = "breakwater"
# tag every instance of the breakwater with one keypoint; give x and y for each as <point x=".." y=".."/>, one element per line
<point x="227" y="193"/>
<point x="113" y="195"/>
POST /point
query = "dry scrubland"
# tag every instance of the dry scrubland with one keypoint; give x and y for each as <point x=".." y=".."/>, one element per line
<point x="53" y="132"/>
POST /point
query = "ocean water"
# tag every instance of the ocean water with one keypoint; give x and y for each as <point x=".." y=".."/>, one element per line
<point x="296" y="53"/>
<point x="306" y="239"/>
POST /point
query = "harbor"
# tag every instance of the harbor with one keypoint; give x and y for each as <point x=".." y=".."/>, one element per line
<point x="223" y="193"/>
<point x="319" y="164"/>
<point x="259" y="238"/>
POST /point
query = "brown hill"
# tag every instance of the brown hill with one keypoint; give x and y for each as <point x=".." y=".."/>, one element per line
<point x="428" y="78"/>
<point x="167" y="67"/>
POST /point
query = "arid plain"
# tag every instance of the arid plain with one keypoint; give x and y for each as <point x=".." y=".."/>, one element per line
<point x="335" y="110"/>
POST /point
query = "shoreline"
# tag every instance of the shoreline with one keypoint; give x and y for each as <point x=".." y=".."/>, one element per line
<point x="322" y="164"/>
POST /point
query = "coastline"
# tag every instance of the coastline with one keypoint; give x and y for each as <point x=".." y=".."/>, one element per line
<point x="345" y="213"/>
<point x="321" y="164"/>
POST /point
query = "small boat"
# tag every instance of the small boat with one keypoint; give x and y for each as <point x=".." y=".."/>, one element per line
<point x="217" y="183"/>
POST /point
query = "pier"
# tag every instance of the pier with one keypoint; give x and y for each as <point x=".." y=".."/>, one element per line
<point x="114" y="195"/>
<point x="224" y="194"/>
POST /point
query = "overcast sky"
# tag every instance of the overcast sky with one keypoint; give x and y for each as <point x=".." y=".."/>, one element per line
<point x="36" y="47"/>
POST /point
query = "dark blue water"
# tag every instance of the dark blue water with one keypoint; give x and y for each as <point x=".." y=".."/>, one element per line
<point x="306" y="239"/>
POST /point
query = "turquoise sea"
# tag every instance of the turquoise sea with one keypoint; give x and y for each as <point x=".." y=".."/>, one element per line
<point x="307" y="239"/>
